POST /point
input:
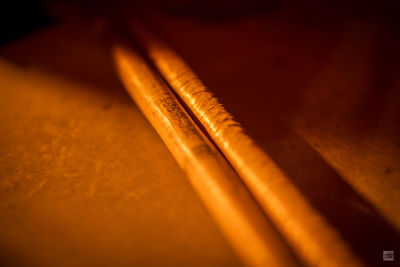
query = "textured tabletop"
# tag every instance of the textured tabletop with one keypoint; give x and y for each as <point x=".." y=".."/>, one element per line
<point x="84" y="178"/>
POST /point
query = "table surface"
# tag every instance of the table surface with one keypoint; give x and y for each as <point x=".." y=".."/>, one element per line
<point x="85" y="179"/>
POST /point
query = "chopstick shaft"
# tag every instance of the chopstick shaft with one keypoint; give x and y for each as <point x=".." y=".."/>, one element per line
<point x="313" y="239"/>
<point x="239" y="217"/>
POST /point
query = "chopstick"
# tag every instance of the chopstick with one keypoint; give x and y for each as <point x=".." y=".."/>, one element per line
<point x="240" y="219"/>
<point x="312" y="238"/>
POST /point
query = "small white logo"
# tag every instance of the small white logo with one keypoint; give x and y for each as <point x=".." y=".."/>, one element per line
<point x="388" y="255"/>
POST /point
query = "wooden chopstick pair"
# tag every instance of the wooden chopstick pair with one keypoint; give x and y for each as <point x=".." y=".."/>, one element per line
<point x="244" y="224"/>
<point x="239" y="217"/>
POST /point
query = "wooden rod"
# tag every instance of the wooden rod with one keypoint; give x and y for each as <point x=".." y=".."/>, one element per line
<point x="313" y="239"/>
<point x="238" y="215"/>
